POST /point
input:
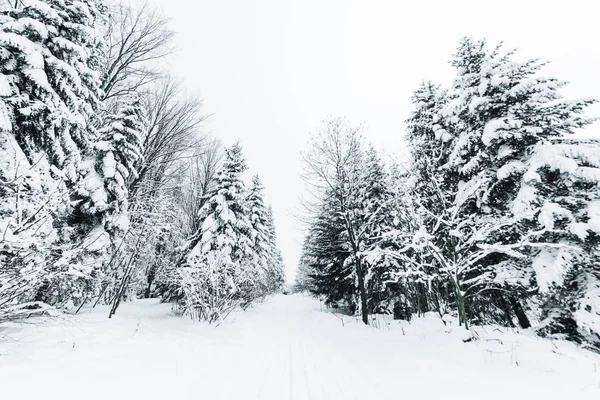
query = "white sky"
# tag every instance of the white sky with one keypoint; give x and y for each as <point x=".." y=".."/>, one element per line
<point x="271" y="70"/>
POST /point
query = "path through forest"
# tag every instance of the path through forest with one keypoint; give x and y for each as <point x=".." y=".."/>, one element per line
<point x="287" y="348"/>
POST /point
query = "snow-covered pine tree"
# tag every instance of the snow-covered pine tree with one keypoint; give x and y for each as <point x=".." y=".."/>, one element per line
<point x="259" y="220"/>
<point x="28" y="199"/>
<point x="424" y="201"/>
<point x="429" y="143"/>
<point x="226" y="219"/>
<point x="104" y="188"/>
<point x="497" y="115"/>
<point x="275" y="266"/>
<point x="561" y="189"/>
<point x="260" y="226"/>
<point x="448" y="229"/>
<point x="414" y="277"/>
<point x="216" y="268"/>
<point x="49" y="66"/>
<point x="90" y="267"/>
<point x="324" y="255"/>
<point x="101" y="197"/>
<point x="378" y="228"/>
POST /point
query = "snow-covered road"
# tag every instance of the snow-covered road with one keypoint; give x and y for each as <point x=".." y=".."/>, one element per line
<point x="287" y="348"/>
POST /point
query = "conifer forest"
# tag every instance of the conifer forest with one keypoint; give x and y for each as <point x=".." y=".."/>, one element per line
<point x="141" y="247"/>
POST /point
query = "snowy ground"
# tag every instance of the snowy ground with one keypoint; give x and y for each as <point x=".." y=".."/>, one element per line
<point x="287" y="348"/>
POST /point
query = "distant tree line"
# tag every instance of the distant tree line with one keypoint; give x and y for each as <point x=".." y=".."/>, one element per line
<point x="105" y="175"/>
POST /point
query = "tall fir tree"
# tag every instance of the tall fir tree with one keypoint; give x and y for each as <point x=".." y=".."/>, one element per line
<point x="217" y="266"/>
<point x="275" y="265"/>
<point x="225" y="216"/>
<point x="49" y="52"/>
<point x="104" y="187"/>
<point x="489" y="176"/>
<point x="324" y="255"/>
<point x="562" y="183"/>
<point x="499" y="113"/>
<point x="378" y="221"/>
<point x="259" y="220"/>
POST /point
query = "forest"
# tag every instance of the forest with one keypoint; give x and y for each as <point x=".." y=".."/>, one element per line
<point x="495" y="219"/>
<point x="109" y="189"/>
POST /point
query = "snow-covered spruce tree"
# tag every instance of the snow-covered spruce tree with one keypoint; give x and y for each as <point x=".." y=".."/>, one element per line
<point x="28" y="199"/>
<point x="102" y="195"/>
<point x="49" y="68"/>
<point x="267" y="257"/>
<point x="323" y="257"/>
<point x="275" y="279"/>
<point x="429" y="143"/>
<point x="379" y="220"/>
<point x="217" y="265"/>
<point x="444" y="248"/>
<point x="407" y="205"/>
<point x="499" y="112"/>
<point x="333" y="166"/>
<point x="497" y="115"/>
<point x="259" y="221"/>
<point x="352" y="235"/>
<point x="90" y="268"/>
<point x="108" y="172"/>
<point x="414" y="279"/>
<point x="561" y="189"/>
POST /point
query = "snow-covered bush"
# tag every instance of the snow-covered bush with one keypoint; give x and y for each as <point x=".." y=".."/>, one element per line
<point x="30" y="201"/>
<point x="209" y="290"/>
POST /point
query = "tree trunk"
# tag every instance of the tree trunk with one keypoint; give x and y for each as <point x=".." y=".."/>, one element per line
<point x="148" y="290"/>
<point x="150" y="280"/>
<point x="460" y="303"/>
<point x="506" y="310"/>
<point x="362" y="291"/>
<point x="436" y="302"/>
<point x="519" y="312"/>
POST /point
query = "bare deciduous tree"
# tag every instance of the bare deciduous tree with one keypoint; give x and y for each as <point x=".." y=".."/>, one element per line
<point x="136" y="38"/>
<point x="202" y="168"/>
<point x="175" y="119"/>
<point x="332" y="165"/>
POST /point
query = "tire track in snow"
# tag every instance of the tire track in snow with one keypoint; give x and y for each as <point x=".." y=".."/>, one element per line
<point x="290" y="367"/>
<point x="265" y="378"/>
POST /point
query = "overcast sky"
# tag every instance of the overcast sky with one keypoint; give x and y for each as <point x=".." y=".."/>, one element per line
<point x="270" y="71"/>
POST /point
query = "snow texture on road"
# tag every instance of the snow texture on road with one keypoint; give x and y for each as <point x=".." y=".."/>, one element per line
<point x="290" y="347"/>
